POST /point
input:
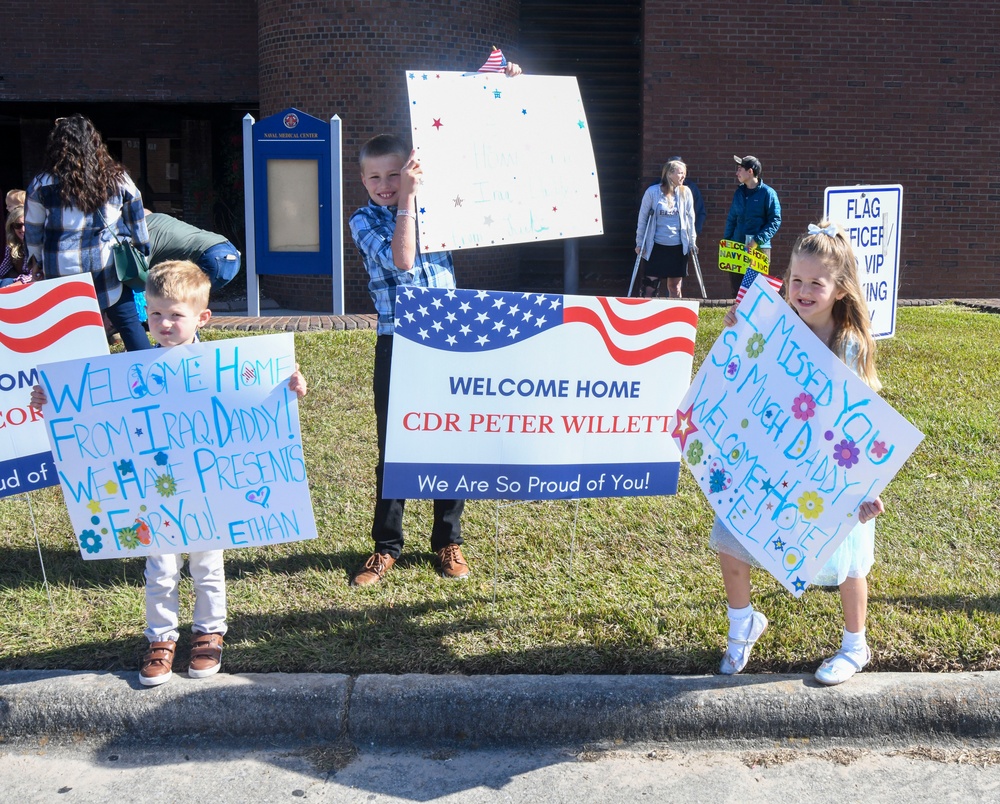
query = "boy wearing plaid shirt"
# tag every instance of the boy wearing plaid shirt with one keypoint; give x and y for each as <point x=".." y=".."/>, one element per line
<point x="385" y="232"/>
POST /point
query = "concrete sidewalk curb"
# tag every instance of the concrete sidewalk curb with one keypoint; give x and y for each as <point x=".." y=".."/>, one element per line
<point x="498" y="710"/>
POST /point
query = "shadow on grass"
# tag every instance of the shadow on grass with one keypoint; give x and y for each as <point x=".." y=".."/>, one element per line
<point x="21" y="567"/>
<point x="385" y="638"/>
<point x="963" y="603"/>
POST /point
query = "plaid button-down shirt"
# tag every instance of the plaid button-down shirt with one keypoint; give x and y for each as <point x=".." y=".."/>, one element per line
<point x="67" y="240"/>
<point x="372" y="228"/>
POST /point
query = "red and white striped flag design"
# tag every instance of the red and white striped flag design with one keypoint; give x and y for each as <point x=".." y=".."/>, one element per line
<point x="748" y="280"/>
<point x="496" y="63"/>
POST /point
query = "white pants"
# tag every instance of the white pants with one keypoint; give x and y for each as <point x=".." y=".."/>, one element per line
<point x="163" y="575"/>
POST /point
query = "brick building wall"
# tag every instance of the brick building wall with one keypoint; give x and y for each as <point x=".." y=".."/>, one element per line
<point x="835" y="92"/>
<point x="181" y="51"/>
<point x="348" y="58"/>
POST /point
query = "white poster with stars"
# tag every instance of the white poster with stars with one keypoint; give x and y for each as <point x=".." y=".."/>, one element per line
<point x="785" y="441"/>
<point x="505" y="160"/>
<point x="191" y="448"/>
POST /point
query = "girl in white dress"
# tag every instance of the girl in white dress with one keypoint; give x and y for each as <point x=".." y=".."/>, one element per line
<point x="822" y="286"/>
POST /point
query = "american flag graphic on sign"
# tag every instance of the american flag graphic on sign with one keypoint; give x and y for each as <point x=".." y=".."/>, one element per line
<point x="496" y="63"/>
<point x="481" y="320"/>
<point x="748" y="280"/>
<point x="58" y="319"/>
<point x="38" y="315"/>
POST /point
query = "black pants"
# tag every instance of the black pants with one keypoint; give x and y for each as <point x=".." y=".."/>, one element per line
<point x="387" y="526"/>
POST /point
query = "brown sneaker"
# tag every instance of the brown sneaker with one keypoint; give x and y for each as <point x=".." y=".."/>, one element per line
<point x="372" y="571"/>
<point x="157" y="663"/>
<point x="206" y="655"/>
<point x="453" y="563"/>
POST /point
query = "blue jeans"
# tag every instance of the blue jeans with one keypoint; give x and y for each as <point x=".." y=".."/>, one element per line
<point x="220" y="263"/>
<point x="124" y="317"/>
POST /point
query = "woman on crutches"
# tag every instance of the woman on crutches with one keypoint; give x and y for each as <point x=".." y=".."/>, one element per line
<point x="665" y="233"/>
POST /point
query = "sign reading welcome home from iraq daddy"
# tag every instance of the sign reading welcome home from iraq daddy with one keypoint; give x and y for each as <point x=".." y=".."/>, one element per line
<point x="785" y="441"/>
<point x="191" y="448"/>
<point x="503" y="395"/>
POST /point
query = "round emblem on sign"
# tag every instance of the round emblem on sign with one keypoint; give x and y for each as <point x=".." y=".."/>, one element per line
<point x="291" y="120"/>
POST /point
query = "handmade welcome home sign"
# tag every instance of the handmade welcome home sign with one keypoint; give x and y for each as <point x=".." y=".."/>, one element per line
<point x="40" y="322"/>
<point x="505" y="160"/>
<point x="535" y="396"/>
<point x="784" y="440"/>
<point x="172" y="450"/>
<point x="736" y="258"/>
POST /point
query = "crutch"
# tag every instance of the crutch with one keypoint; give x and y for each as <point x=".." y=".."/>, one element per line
<point x="697" y="271"/>
<point x="638" y="257"/>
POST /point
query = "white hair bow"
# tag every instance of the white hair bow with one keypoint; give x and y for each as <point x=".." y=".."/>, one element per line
<point x="829" y="231"/>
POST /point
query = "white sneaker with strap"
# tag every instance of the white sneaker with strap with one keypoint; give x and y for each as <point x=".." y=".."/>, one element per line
<point x="738" y="650"/>
<point x="841" y="666"/>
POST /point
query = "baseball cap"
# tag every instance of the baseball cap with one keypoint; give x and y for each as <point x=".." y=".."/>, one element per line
<point x="751" y="163"/>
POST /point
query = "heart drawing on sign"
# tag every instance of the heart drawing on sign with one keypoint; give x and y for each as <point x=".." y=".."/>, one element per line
<point x="259" y="496"/>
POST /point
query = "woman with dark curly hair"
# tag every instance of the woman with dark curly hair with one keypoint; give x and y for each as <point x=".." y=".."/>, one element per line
<point x="81" y="195"/>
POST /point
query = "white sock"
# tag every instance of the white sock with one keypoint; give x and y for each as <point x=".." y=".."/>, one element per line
<point x="739" y="621"/>
<point x="854" y="642"/>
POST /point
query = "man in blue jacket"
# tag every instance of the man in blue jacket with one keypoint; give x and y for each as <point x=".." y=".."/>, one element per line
<point x="755" y="214"/>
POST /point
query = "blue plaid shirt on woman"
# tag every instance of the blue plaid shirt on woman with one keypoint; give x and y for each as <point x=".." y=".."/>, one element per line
<point x="372" y="228"/>
<point x="67" y="241"/>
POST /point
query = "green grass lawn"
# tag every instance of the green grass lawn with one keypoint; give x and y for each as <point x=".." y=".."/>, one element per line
<point x="634" y="590"/>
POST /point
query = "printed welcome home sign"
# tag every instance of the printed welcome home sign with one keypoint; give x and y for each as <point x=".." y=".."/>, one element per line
<point x="501" y="395"/>
<point x="785" y="441"/>
<point x="191" y="448"/>
<point x="58" y="319"/>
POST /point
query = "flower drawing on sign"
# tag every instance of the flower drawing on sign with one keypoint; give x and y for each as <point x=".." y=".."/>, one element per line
<point x="810" y="505"/>
<point x="695" y="452"/>
<point x="846" y="453"/>
<point x="878" y="449"/>
<point x="804" y="407"/>
<point x="717" y="481"/>
<point x="166" y="485"/>
<point x="733" y="368"/>
<point x="755" y="346"/>
<point x="128" y="538"/>
<point x="718" y="478"/>
<point x="90" y="541"/>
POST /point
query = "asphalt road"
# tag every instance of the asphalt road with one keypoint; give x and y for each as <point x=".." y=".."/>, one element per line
<point x="41" y="770"/>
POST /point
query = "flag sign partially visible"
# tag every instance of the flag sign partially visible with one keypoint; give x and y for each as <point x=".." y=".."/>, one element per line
<point x="871" y="217"/>
<point x="58" y="319"/>
<point x="535" y="396"/>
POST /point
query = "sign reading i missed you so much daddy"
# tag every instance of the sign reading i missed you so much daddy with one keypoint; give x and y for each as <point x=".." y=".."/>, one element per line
<point x="785" y="441"/>
<point x="191" y="448"/>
